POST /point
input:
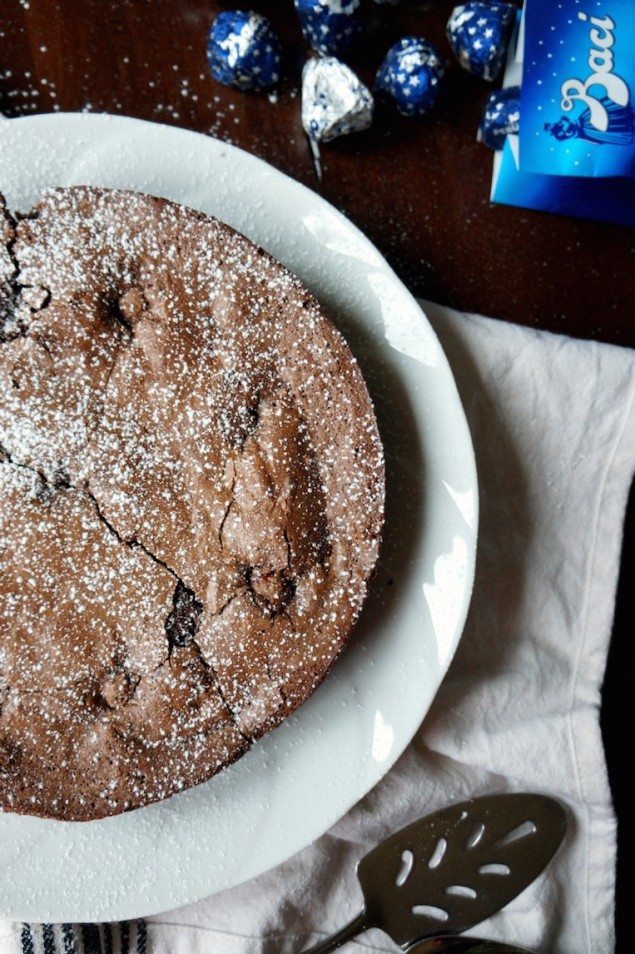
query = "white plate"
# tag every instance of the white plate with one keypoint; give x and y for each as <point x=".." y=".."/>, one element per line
<point x="299" y="780"/>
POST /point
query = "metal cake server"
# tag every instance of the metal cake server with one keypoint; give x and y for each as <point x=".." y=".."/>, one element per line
<point x="464" y="945"/>
<point x="449" y="871"/>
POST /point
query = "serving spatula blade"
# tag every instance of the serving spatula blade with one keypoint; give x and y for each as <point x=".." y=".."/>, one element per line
<point x="449" y="871"/>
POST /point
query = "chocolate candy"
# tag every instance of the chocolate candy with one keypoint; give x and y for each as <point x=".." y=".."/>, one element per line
<point x="330" y="25"/>
<point x="411" y="74"/>
<point x="243" y="50"/>
<point x="500" y="117"/>
<point x="479" y="33"/>
<point x="334" y="101"/>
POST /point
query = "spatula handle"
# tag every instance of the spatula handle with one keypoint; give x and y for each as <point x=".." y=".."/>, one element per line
<point x="357" y="926"/>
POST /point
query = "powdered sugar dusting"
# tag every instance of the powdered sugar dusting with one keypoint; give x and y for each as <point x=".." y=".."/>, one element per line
<point x="178" y="404"/>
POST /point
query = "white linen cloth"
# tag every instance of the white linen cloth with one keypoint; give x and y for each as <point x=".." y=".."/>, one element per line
<point x="553" y="425"/>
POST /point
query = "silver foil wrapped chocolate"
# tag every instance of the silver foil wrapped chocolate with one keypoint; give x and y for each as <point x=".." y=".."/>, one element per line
<point x="334" y="100"/>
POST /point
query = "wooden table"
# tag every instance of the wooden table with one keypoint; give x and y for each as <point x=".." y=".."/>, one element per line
<point x="418" y="189"/>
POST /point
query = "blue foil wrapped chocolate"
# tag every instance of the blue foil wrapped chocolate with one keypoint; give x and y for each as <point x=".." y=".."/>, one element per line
<point x="479" y="34"/>
<point x="330" y="26"/>
<point x="334" y="101"/>
<point x="501" y="117"/>
<point x="243" y="50"/>
<point x="411" y="74"/>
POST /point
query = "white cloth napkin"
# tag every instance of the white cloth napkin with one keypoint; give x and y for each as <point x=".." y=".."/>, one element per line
<point x="554" y="430"/>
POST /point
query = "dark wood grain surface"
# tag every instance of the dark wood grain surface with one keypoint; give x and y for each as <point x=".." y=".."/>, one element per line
<point x="418" y="188"/>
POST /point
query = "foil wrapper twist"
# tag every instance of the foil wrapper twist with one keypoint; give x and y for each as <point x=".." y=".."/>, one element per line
<point x="243" y="50"/>
<point x="334" y="100"/>
<point x="330" y="26"/>
<point x="479" y="34"/>
<point x="501" y="117"/>
<point x="411" y="74"/>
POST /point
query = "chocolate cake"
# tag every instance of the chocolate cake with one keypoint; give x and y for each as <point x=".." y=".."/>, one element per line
<point x="191" y="484"/>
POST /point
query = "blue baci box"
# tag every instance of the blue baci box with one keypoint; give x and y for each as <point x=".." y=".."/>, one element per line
<point x="575" y="63"/>
<point x="578" y="74"/>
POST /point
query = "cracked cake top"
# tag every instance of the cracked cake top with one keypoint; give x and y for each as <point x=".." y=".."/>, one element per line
<point x="192" y="491"/>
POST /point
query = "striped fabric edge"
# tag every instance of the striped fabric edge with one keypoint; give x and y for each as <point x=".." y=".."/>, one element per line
<point x="126" y="937"/>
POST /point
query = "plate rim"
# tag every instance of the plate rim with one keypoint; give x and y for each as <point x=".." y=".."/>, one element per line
<point x="470" y="561"/>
